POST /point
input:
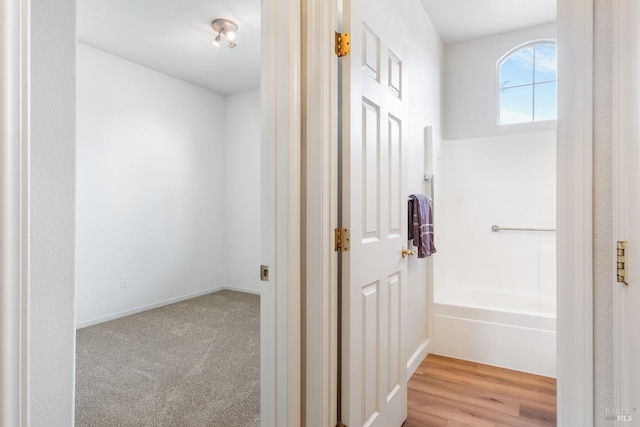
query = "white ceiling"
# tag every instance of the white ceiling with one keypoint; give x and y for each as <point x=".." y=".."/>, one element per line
<point x="461" y="20"/>
<point x="174" y="36"/>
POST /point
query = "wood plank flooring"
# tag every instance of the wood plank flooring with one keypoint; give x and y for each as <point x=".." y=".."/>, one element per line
<point x="457" y="393"/>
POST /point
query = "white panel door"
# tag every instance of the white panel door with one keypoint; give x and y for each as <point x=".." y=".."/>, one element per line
<point x="627" y="212"/>
<point x="375" y="211"/>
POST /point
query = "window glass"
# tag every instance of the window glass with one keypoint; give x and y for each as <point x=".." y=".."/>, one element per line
<point x="546" y="61"/>
<point x="545" y="101"/>
<point x="516" y="105"/>
<point x="527" y="84"/>
<point x="518" y="68"/>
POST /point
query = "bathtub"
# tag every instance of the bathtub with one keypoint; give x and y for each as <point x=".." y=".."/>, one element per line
<point x="514" y="331"/>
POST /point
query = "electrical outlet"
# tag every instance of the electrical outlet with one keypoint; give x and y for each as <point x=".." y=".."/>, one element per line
<point x="124" y="282"/>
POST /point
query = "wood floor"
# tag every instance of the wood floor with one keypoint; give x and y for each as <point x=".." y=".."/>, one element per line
<point x="456" y="393"/>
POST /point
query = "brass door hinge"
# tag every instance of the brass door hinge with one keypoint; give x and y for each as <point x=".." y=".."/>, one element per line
<point x="621" y="262"/>
<point x="343" y="44"/>
<point x="342" y="240"/>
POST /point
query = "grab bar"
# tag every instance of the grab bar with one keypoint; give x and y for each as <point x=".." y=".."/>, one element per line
<point x="496" y="228"/>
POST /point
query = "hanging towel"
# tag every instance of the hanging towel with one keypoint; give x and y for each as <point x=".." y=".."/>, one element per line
<point x="421" y="224"/>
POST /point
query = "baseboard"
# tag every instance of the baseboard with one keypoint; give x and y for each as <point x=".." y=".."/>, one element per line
<point x="417" y="358"/>
<point x="136" y="310"/>
<point x="240" y="289"/>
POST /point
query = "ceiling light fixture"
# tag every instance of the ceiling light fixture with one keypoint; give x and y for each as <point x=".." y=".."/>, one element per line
<point x="226" y="28"/>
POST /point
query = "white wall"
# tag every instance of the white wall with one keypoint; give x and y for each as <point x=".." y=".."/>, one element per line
<point x="424" y="62"/>
<point x="242" y="199"/>
<point x="470" y="84"/>
<point x="151" y="175"/>
<point x="51" y="334"/>
<point x="508" y="181"/>
<point x="492" y="174"/>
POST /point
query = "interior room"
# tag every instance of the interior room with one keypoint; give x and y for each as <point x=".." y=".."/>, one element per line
<point x="112" y="207"/>
<point x="168" y="212"/>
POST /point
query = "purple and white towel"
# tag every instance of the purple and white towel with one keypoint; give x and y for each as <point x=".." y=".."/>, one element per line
<point x="421" y="224"/>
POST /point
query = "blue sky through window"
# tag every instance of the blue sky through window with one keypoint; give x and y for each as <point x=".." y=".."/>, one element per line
<point x="528" y="84"/>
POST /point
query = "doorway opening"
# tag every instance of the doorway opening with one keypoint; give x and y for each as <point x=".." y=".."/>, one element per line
<point x="571" y="278"/>
<point x="168" y="212"/>
<point x="494" y="278"/>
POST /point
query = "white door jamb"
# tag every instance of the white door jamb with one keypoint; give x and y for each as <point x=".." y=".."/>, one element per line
<point x="575" y="218"/>
<point x="13" y="213"/>
<point x="280" y="364"/>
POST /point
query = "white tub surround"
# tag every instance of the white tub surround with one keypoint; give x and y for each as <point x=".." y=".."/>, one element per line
<point x="495" y="291"/>
<point x="521" y="341"/>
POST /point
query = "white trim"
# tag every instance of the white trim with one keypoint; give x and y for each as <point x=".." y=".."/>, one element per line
<point x="14" y="144"/>
<point x="239" y="289"/>
<point x="147" y="307"/>
<point x="417" y="358"/>
<point x="280" y="389"/>
<point x="625" y="131"/>
<point x="520" y="46"/>
<point x="575" y="219"/>
<point x="320" y="198"/>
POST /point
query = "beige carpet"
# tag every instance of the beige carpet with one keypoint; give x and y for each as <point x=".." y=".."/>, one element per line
<point x="194" y="363"/>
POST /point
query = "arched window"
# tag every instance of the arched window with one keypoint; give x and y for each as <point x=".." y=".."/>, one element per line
<point x="527" y="83"/>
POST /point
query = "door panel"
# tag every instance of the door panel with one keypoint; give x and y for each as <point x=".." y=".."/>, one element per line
<point x="393" y="321"/>
<point x="375" y="210"/>
<point x="371" y="169"/>
<point x="395" y="183"/>
<point x="370" y="344"/>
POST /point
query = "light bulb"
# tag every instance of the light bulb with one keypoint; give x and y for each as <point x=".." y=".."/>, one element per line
<point x="232" y="44"/>
<point x="216" y="41"/>
<point x="231" y="35"/>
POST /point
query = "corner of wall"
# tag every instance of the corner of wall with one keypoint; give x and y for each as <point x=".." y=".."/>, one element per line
<point x="242" y="190"/>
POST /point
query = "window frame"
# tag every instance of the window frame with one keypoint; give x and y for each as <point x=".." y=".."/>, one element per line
<point x="502" y="59"/>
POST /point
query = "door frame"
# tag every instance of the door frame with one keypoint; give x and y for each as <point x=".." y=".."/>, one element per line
<point x="14" y="164"/>
<point x="575" y="214"/>
<point x="626" y="59"/>
<point x="280" y="364"/>
<point x="320" y="215"/>
<point x="574" y="217"/>
<point x="280" y="301"/>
